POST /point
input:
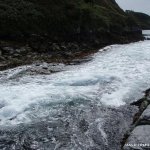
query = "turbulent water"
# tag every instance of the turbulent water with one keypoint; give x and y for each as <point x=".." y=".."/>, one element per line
<point x="114" y="77"/>
<point x="146" y="33"/>
<point x="69" y="109"/>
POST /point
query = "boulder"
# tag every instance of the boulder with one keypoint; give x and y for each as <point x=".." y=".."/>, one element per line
<point x="145" y="117"/>
<point x="139" y="139"/>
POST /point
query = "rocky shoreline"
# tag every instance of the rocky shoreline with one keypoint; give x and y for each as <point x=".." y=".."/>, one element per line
<point x="13" y="54"/>
<point x="138" y="137"/>
<point x="41" y="49"/>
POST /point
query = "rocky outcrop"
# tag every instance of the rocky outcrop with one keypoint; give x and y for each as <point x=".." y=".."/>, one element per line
<point x="16" y="54"/>
<point x="138" y="137"/>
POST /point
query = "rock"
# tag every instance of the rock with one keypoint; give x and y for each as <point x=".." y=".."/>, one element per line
<point x="138" y="102"/>
<point x="143" y="105"/>
<point x="55" y="47"/>
<point x="22" y="50"/>
<point x="16" y="55"/>
<point x="73" y="47"/>
<point x="145" y="117"/>
<point x="7" y="50"/>
<point x="139" y="139"/>
<point x="63" y="47"/>
<point x="66" y="55"/>
<point x="45" y="67"/>
<point x="2" y="58"/>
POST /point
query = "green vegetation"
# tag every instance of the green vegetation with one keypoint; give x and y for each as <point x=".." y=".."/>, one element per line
<point x="61" y="30"/>
<point x="62" y="20"/>
<point x="143" y="20"/>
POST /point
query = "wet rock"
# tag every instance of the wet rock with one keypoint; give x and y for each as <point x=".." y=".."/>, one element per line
<point x="2" y="58"/>
<point x="139" y="139"/>
<point x="73" y="47"/>
<point x="79" y="61"/>
<point x="63" y="47"/>
<point x="138" y="102"/>
<point x="55" y="47"/>
<point x="145" y="117"/>
<point x="7" y="50"/>
<point x="143" y="105"/>
<point x="16" y="55"/>
<point x="22" y="50"/>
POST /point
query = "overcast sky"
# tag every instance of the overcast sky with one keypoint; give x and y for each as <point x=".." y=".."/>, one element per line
<point x="136" y="5"/>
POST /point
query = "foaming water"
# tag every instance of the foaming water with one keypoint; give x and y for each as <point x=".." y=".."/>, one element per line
<point x="117" y="75"/>
<point x="146" y="34"/>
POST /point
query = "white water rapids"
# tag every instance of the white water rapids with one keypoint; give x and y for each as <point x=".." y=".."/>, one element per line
<point x="116" y="75"/>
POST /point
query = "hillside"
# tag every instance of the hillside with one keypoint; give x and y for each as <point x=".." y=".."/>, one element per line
<point x="60" y="30"/>
<point x="143" y="20"/>
<point x="60" y="20"/>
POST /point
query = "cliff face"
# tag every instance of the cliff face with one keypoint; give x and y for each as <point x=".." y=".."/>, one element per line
<point x="65" y="20"/>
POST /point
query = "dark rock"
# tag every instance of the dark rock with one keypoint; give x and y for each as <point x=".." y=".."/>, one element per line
<point x="147" y="93"/>
<point x="66" y="55"/>
<point x="138" y="102"/>
<point x="7" y="50"/>
<point x="139" y="139"/>
<point x="55" y="47"/>
<point x="147" y="38"/>
<point x="22" y="50"/>
<point x="143" y="105"/>
<point x="16" y="55"/>
<point x="2" y="58"/>
<point x="63" y="47"/>
<point x="73" y="47"/>
<point x="44" y="67"/>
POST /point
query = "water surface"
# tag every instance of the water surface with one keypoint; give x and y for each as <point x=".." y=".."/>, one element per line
<point x="117" y="75"/>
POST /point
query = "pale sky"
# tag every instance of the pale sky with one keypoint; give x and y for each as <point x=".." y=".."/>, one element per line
<point x="136" y="5"/>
